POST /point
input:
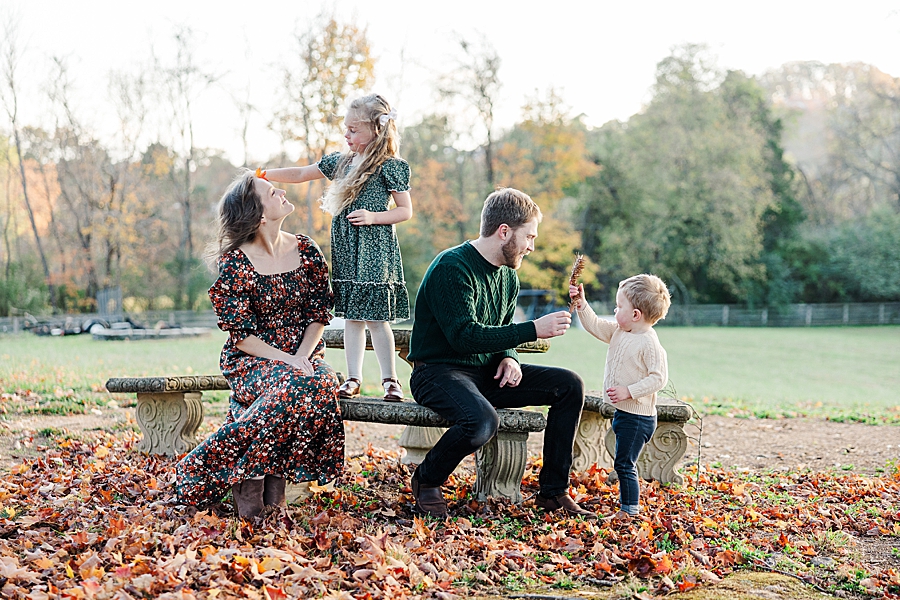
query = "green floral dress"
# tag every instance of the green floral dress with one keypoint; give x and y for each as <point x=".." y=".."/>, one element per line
<point x="366" y="267"/>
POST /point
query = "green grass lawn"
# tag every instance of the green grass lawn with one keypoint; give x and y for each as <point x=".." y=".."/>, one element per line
<point x="839" y="372"/>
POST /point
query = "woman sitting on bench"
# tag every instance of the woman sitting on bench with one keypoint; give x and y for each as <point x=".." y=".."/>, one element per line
<point x="273" y="298"/>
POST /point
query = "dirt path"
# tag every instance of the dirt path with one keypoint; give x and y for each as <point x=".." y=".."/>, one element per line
<point x="754" y="444"/>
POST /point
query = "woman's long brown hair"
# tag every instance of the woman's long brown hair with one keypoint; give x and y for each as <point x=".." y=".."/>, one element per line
<point x="239" y="214"/>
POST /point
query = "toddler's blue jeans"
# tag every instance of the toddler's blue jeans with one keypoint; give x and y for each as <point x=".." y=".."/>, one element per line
<point x="632" y="432"/>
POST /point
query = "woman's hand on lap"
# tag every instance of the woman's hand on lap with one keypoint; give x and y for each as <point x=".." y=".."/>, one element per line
<point x="303" y="364"/>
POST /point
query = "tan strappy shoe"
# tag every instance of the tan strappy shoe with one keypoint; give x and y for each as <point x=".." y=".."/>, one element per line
<point x="392" y="390"/>
<point x="350" y="388"/>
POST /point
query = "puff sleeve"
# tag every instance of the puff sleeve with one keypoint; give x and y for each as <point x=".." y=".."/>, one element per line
<point x="320" y="299"/>
<point x="328" y="164"/>
<point x="395" y="172"/>
<point x="231" y="297"/>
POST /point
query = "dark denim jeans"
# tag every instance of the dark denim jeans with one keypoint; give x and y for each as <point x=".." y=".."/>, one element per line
<point x="468" y="397"/>
<point x="632" y="432"/>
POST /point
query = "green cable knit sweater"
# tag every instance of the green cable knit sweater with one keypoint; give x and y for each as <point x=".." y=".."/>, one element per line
<point x="464" y="311"/>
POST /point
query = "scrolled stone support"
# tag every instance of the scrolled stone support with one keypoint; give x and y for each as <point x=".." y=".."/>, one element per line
<point x="417" y="441"/>
<point x="595" y="441"/>
<point x="588" y="450"/>
<point x="661" y="455"/>
<point x="500" y="465"/>
<point x="169" y="421"/>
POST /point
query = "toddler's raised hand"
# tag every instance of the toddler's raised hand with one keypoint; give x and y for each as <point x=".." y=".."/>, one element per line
<point x="576" y="293"/>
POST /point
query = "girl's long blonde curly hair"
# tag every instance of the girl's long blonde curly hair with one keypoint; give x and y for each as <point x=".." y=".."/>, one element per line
<point x="386" y="144"/>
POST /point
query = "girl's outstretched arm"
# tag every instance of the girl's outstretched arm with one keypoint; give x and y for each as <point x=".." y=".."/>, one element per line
<point x="402" y="212"/>
<point x="294" y="174"/>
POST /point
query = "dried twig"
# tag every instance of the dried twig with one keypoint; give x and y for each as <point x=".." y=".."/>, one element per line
<point x="577" y="270"/>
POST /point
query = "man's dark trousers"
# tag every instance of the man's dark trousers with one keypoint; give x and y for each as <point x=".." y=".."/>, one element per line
<point x="468" y="397"/>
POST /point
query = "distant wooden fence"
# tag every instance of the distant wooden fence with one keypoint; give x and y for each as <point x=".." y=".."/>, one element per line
<point x="790" y="315"/>
<point x="721" y="315"/>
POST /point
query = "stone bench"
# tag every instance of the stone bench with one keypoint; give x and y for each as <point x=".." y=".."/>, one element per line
<point x="417" y="441"/>
<point x="595" y="441"/>
<point x="170" y="411"/>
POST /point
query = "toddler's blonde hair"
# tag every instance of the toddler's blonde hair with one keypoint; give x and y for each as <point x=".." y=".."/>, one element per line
<point x="648" y="294"/>
<point x="386" y="144"/>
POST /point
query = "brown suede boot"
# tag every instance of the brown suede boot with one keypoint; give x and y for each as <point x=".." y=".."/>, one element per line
<point x="429" y="500"/>
<point x="273" y="492"/>
<point x="248" y="497"/>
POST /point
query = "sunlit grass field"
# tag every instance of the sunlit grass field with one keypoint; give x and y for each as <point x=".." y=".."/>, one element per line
<point x="838" y="372"/>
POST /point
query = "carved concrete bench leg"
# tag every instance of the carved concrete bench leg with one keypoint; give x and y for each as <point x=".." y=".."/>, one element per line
<point x="500" y="465"/>
<point x="169" y="421"/>
<point x="661" y="455"/>
<point x="589" y="441"/>
<point x="417" y="441"/>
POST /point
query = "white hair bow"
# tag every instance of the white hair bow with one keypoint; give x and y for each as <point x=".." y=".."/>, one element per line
<point x="391" y="116"/>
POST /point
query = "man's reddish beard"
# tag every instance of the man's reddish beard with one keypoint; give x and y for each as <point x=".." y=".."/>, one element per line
<point x="511" y="257"/>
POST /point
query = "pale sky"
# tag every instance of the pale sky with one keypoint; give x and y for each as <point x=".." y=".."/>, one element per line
<point x="600" y="55"/>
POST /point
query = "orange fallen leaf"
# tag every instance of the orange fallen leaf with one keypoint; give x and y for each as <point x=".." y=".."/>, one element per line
<point x="273" y="593"/>
<point x="687" y="582"/>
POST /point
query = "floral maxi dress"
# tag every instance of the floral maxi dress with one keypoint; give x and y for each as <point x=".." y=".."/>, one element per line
<point x="366" y="266"/>
<point x="280" y="421"/>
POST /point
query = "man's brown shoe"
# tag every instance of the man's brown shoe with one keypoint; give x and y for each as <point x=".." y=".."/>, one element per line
<point x="273" y="491"/>
<point x="564" y="502"/>
<point x="429" y="500"/>
<point x="248" y="497"/>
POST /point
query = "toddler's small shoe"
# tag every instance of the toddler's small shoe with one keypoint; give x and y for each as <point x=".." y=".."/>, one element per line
<point x="619" y="517"/>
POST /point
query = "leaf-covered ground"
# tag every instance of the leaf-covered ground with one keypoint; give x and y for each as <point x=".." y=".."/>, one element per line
<point x="90" y="517"/>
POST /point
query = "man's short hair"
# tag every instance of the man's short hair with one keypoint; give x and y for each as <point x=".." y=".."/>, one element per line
<point x="648" y="294"/>
<point x="510" y="206"/>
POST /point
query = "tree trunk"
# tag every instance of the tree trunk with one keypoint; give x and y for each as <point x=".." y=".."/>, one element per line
<point x="489" y="160"/>
<point x="186" y="250"/>
<point x="34" y="229"/>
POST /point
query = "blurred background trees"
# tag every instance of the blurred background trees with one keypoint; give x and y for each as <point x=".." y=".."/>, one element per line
<point x="735" y="189"/>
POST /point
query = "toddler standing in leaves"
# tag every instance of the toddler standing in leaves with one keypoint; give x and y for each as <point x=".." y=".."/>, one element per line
<point x="636" y="368"/>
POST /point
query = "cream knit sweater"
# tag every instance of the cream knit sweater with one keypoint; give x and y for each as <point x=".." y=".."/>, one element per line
<point x="635" y="360"/>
